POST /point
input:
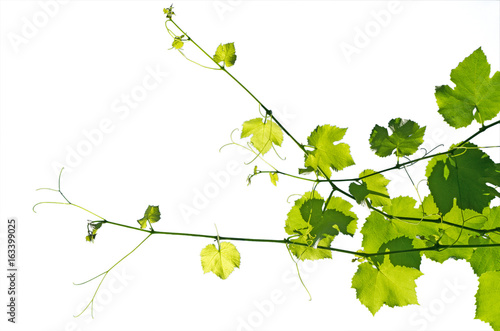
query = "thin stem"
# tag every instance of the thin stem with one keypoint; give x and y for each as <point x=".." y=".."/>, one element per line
<point x="285" y="174"/>
<point x="438" y="220"/>
<point x="287" y="241"/>
<point x="105" y="273"/>
<point x="68" y="204"/>
<point x="59" y="185"/>
<point x="201" y="65"/>
<point x="481" y="130"/>
<point x="269" y="112"/>
<point x="298" y="272"/>
<point x="91" y="279"/>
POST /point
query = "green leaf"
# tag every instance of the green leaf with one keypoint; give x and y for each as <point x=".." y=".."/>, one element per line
<point x="225" y="53"/>
<point x="327" y="155"/>
<point x="315" y="226"/>
<point x="387" y="284"/>
<point x="403" y="207"/>
<point x="92" y="228"/>
<point x="474" y="90"/>
<point x="220" y="261"/>
<point x="348" y="225"/>
<point x="410" y="259"/>
<point x="463" y="177"/>
<point x="305" y="170"/>
<point x="178" y="43"/>
<point x="263" y="134"/>
<point x="359" y="191"/>
<point x="310" y="253"/>
<point x="486" y="259"/>
<point x="452" y="235"/>
<point x="91" y="236"/>
<point x="169" y="12"/>
<point x="322" y="222"/>
<point x="372" y="187"/>
<point x="274" y="177"/>
<point x="487" y="299"/>
<point x="151" y="215"/>
<point x="405" y="138"/>
<point x="381" y="234"/>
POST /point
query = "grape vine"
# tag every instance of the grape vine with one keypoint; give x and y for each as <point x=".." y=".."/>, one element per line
<point x="455" y="221"/>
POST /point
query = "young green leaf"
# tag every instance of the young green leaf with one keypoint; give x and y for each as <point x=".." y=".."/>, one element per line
<point x="225" y="53"/>
<point x="327" y="155"/>
<point x="263" y="134"/>
<point x="91" y="236"/>
<point x="178" y="43"/>
<point x="151" y="215"/>
<point x="169" y="12"/>
<point x="220" y="261"/>
<point x="405" y="138"/>
<point x="487" y="299"/>
<point x="274" y="177"/>
<point x="92" y="228"/>
<point x="463" y="177"/>
<point x="387" y="284"/>
<point x="372" y="187"/>
<point x="474" y="90"/>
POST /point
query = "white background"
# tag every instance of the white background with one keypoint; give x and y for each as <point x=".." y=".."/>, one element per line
<point x="68" y="72"/>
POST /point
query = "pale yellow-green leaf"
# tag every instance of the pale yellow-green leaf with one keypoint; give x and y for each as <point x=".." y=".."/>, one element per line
<point x="220" y="261"/>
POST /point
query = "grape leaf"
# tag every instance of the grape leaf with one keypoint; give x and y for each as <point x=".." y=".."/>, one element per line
<point x="346" y="226"/>
<point x="486" y="259"/>
<point x="463" y="177"/>
<point x="452" y="235"/>
<point x="92" y="227"/>
<point x="405" y="138"/>
<point x="169" y="12"/>
<point x="178" y="43"/>
<point x="91" y="235"/>
<point x="403" y="207"/>
<point x="294" y="223"/>
<point x="310" y="253"/>
<point x="152" y="214"/>
<point x="372" y="187"/>
<point x="381" y="234"/>
<point x="274" y="177"/>
<point x="487" y="299"/>
<point x="225" y="53"/>
<point x="410" y="259"/>
<point x="263" y="134"/>
<point x="316" y="226"/>
<point x="387" y="284"/>
<point x="428" y="206"/>
<point x="327" y="155"/>
<point x="474" y="90"/>
<point x="220" y="261"/>
<point x="323" y="223"/>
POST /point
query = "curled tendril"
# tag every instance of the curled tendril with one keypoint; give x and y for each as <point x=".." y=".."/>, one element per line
<point x="275" y="151"/>
<point x="459" y="148"/>
<point x="249" y="148"/>
<point x="291" y="195"/>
